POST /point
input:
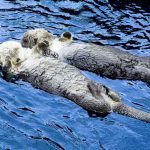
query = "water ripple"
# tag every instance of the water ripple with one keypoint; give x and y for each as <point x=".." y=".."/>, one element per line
<point x="33" y="119"/>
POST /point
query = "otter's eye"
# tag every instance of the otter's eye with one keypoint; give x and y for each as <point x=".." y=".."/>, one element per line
<point x="18" y="59"/>
<point x="25" y="40"/>
<point x="35" y="41"/>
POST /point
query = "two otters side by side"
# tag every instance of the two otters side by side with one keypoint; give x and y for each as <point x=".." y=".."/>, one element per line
<point x="55" y="76"/>
<point x="46" y="45"/>
<point x="15" y="54"/>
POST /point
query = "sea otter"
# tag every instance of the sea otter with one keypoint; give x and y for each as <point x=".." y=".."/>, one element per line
<point x="10" y="58"/>
<point x="103" y="60"/>
<point x="57" y="77"/>
<point x="14" y="54"/>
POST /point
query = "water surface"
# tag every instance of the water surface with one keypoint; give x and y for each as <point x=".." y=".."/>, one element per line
<point x="32" y="119"/>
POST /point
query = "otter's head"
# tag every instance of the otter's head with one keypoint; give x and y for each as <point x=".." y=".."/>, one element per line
<point x="9" y="54"/>
<point x="28" y="41"/>
<point x="33" y="37"/>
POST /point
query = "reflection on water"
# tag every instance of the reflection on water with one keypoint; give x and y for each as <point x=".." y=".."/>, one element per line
<point x="33" y="119"/>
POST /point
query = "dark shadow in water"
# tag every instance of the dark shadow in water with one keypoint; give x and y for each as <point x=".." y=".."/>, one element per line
<point x="121" y="4"/>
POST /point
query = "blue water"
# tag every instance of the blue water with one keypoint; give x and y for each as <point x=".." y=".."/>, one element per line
<point x="31" y="119"/>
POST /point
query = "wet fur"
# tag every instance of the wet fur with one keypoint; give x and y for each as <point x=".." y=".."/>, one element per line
<point x="57" y="77"/>
<point x="35" y="36"/>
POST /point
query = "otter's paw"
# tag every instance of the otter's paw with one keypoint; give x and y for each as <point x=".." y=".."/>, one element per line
<point x="67" y="35"/>
<point x="44" y="44"/>
<point x="43" y="47"/>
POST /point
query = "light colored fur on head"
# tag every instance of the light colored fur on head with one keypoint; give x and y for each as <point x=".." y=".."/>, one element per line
<point x="9" y="52"/>
<point x="35" y="36"/>
<point x="12" y="53"/>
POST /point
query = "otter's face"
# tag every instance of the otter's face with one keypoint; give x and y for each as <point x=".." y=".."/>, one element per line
<point x="33" y="37"/>
<point x="9" y="52"/>
<point x="29" y="41"/>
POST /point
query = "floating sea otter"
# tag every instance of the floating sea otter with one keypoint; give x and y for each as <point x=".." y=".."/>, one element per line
<point x="57" y="77"/>
<point x="103" y="60"/>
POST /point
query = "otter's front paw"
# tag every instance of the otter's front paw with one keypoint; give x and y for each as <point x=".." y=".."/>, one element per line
<point x="43" y="47"/>
<point x="44" y="44"/>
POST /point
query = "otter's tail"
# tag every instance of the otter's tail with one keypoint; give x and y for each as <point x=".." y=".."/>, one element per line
<point x="132" y="112"/>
